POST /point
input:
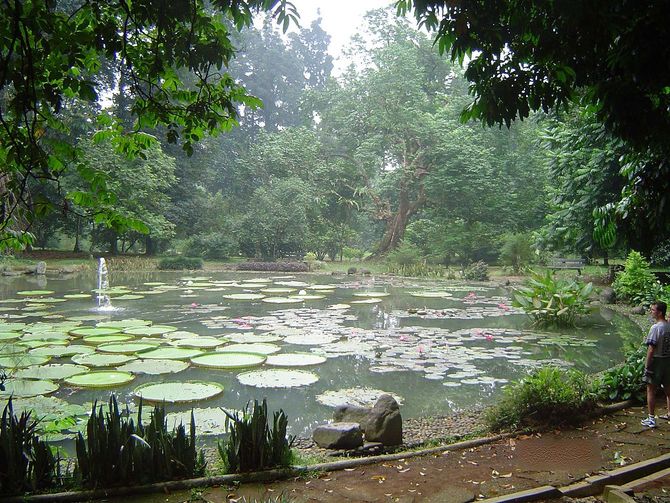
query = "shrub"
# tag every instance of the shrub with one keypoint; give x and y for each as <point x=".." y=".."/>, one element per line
<point x="636" y="281"/>
<point x="119" y="451"/>
<point x="179" y="263"/>
<point x="406" y="254"/>
<point x="660" y="256"/>
<point x="547" y="397"/>
<point x="251" y="444"/>
<point x="213" y="245"/>
<point x="419" y="270"/>
<point x="624" y="382"/>
<point x="350" y="253"/>
<point x="273" y="266"/>
<point x="477" y="271"/>
<point x="26" y="462"/>
<point x="551" y="301"/>
<point x="516" y="252"/>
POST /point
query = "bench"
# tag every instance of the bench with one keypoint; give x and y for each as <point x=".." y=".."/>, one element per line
<point x="567" y="263"/>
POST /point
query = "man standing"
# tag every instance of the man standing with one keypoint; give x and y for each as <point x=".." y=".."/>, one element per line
<point x="657" y="363"/>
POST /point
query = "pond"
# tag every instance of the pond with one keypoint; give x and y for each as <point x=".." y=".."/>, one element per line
<point x="437" y="346"/>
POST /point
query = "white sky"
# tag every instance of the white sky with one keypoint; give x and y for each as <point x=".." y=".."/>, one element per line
<point x="339" y="18"/>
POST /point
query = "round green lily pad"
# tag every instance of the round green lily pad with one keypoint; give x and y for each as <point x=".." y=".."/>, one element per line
<point x="322" y="287"/>
<point x="338" y="307"/>
<point x="88" y="331"/>
<point x="77" y="296"/>
<point x="229" y="360"/>
<point x="198" y="342"/>
<point x="374" y="295"/>
<point x="177" y="392"/>
<point x="431" y="294"/>
<point x="278" y="290"/>
<point x="129" y="296"/>
<point x="172" y="353"/>
<point x="100" y="379"/>
<point x="250" y="337"/>
<point x="28" y="387"/>
<point x="103" y="339"/>
<point x="149" y="331"/>
<point x="12" y="327"/>
<point x="102" y="359"/>
<point x="123" y="324"/>
<point x="256" y="347"/>
<point x="360" y="396"/>
<point x="154" y="367"/>
<point x="50" y="371"/>
<point x="126" y="347"/>
<point x="9" y="336"/>
<point x="21" y="360"/>
<point x="61" y="351"/>
<point x="366" y="301"/>
<point x="277" y="378"/>
<point x="47" y="300"/>
<point x="31" y="293"/>
<point x="307" y="297"/>
<point x="295" y="360"/>
<point x="46" y="336"/>
<point x="244" y="296"/>
<point x="283" y="300"/>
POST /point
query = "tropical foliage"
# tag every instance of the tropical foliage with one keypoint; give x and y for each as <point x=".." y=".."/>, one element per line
<point x="552" y="301"/>
<point x="636" y="282"/>
<point x="624" y="382"/>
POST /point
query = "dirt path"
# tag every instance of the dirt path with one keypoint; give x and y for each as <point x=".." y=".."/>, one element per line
<point x="555" y="458"/>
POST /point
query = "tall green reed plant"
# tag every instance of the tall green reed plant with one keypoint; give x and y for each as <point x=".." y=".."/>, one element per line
<point x="252" y="444"/>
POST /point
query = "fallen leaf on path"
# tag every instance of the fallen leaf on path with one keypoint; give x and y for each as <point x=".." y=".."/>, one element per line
<point x="403" y="471"/>
<point x="506" y="475"/>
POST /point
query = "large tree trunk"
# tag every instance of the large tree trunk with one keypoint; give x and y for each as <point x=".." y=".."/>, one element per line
<point x="77" y="232"/>
<point x="397" y="223"/>
<point x="150" y="246"/>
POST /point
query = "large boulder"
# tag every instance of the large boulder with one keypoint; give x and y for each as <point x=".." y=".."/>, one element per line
<point x="381" y="423"/>
<point x="608" y="296"/>
<point x="41" y="268"/>
<point x="338" y="436"/>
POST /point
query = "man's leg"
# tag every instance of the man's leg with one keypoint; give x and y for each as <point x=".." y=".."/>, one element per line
<point x="651" y="399"/>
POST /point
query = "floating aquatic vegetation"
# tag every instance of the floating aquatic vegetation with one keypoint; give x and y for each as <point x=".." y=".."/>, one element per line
<point x="307" y="297"/>
<point x="251" y="337"/>
<point x="229" y="360"/>
<point x="277" y="378"/>
<point x="21" y="360"/>
<point x="154" y="366"/>
<point x="89" y="331"/>
<point x="178" y="392"/>
<point x="30" y="293"/>
<point x="208" y="421"/>
<point x="359" y="396"/>
<point x="256" y="347"/>
<point x="295" y="360"/>
<point x="28" y="387"/>
<point x="431" y="295"/>
<point x="101" y="359"/>
<point x="366" y="301"/>
<point x="283" y="300"/>
<point x="171" y="353"/>
<point x="103" y="339"/>
<point x="199" y="342"/>
<point x="126" y="347"/>
<point x="9" y="336"/>
<point x="100" y="379"/>
<point x="151" y="330"/>
<point x="278" y="290"/>
<point x="311" y="338"/>
<point x="244" y="296"/>
<point x="61" y="351"/>
<point x="373" y="295"/>
<point x="50" y="371"/>
<point x="123" y="324"/>
<point x="338" y="307"/>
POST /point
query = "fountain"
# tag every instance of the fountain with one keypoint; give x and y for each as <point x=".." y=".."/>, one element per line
<point x="104" y="302"/>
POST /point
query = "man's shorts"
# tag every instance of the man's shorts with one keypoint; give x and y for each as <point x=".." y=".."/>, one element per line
<point x="661" y="369"/>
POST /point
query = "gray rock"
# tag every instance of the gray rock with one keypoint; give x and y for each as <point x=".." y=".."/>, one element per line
<point x="338" y="436"/>
<point x="607" y="296"/>
<point x="382" y="423"/>
<point x="638" y="310"/>
<point x="41" y="268"/>
<point x="365" y="272"/>
<point x="352" y="270"/>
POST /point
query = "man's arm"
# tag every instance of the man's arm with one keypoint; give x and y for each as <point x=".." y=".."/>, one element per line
<point x="650" y="354"/>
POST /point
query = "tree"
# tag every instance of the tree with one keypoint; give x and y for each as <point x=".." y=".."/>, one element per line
<point x="533" y="55"/>
<point x="54" y="51"/>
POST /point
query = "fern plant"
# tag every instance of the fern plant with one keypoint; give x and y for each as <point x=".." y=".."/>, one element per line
<point x="636" y="282"/>
<point x="552" y="301"/>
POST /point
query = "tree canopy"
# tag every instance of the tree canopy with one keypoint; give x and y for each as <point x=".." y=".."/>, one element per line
<point x="171" y="56"/>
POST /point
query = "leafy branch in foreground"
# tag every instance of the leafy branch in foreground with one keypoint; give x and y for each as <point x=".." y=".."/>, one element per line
<point x="552" y="301"/>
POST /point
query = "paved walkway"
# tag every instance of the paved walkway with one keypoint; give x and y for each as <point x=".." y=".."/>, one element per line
<point x="557" y="458"/>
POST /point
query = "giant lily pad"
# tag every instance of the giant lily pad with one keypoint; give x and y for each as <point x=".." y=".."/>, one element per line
<point x="307" y="297"/>
<point x="102" y="360"/>
<point x="250" y="337"/>
<point x="129" y="296"/>
<point x="46" y="336"/>
<point x="374" y="295"/>
<point x="172" y="353"/>
<point x="229" y="360"/>
<point x="283" y="300"/>
<point x="208" y="421"/>
<point x="278" y="290"/>
<point x="28" y="387"/>
<point x="51" y="371"/>
<point x="322" y="287"/>
<point x="431" y="294"/>
<point x="123" y="324"/>
<point x="367" y="301"/>
<point x="154" y="367"/>
<point x="198" y="342"/>
<point x="104" y="339"/>
<point x="361" y="397"/>
<point x="127" y="347"/>
<point x="77" y="296"/>
<point x="277" y="378"/>
<point x="60" y="351"/>
<point x="295" y="359"/>
<point x="88" y="331"/>
<point x="178" y="392"/>
<point x="100" y="379"/>
<point x="258" y="347"/>
<point x="21" y="360"/>
<point x="33" y="293"/>
<point x="244" y="296"/>
<point x="311" y="338"/>
<point x="153" y="330"/>
<point x="9" y="336"/>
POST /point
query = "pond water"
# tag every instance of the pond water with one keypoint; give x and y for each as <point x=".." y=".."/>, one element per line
<point x="437" y="346"/>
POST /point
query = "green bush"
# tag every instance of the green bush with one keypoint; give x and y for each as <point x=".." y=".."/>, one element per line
<point x="350" y="253"/>
<point x="516" y="252"/>
<point x="636" y="283"/>
<point x="547" y="397"/>
<point x="406" y="254"/>
<point x="551" y="301"/>
<point x="624" y="382"/>
<point x="419" y="270"/>
<point x="213" y="245"/>
<point x="179" y="263"/>
<point x="119" y="451"/>
<point x="252" y="444"/>
<point x="660" y="255"/>
<point x="26" y="462"/>
<point x="477" y="271"/>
